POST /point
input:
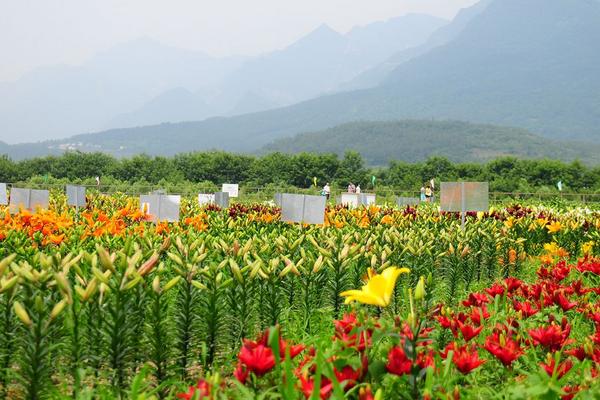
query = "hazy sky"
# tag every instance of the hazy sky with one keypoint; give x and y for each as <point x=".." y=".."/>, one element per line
<point x="45" y="32"/>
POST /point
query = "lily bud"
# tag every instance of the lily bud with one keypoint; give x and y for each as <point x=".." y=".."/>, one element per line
<point x="8" y="284"/>
<point x="176" y="259"/>
<point x="6" y="262"/>
<point x="171" y="283"/>
<point x="156" y="284"/>
<point x="420" y="289"/>
<point x="22" y="313"/>
<point x="57" y="309"/>
<point x="318" y="265"/>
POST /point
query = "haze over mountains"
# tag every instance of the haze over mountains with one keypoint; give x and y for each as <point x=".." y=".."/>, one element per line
<point x="529" y="64"/>
<point x="144" y="82"/>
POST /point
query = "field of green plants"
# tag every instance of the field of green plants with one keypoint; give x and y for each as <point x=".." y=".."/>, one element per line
<point x="377" y="303"/>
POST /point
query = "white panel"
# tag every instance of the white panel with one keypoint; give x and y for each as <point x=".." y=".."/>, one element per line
<point x="206" y="198"/>
<point x="3" y="195"/>
<point x="314" y="210"/>
<point x="76" y="196"/>
<point x="292" y="207"/>
<point x="464" y="196"/>
<point x="231" y="188"/>
<point x="349" y="199"/>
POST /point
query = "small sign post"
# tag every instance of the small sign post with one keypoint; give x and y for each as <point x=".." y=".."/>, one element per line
<point x="464" y="197"/>
<point x="206" y="198"/>
<point x="29" y="199"/>
<point x="303" y="209"/>
<point x="76" y="197"/>
<point x="161" y="207"/>
<point x="232" y="189"/>
<point x="3" y="195"/>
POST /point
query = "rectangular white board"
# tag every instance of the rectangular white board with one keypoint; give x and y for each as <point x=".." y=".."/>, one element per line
<point x="464" y="196"/>
<point x="349" y="199"/>
<point x="232" y="189"/>
<point x="367" y="199"/>
<point x="292" y="207"/>
<point x="222" y="199"/>
<point x="206" y="198"/>
<point x="76" y="196"/>
<point x="28" y="199"/>
<point x="314" y="210"/>
<point x="161" y="208"/>
<point x="3" y="195"/>
<point x="277" y="199"/>
<point x="304" y="209"/>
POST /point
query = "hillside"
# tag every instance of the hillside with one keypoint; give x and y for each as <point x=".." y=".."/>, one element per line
<point x="375" y="76"/>
<point x="413" y="140"/>
<point x="520" y="63"/>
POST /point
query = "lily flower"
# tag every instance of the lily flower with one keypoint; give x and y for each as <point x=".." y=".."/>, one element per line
<point x="466" y="359"/>
<point x="505" y="349"/>
<point x="378" y="290"/>
<point x="398" y="363"/>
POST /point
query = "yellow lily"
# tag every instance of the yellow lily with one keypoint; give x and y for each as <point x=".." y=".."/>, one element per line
<point x="554" y="227"/>
<point x="379" y="288"/>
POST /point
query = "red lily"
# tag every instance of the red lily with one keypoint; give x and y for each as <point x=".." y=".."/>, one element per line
<point x="477" y="313"/>
<point x="495" y="290"/>
<point x="561" y="370"/>
<point x="506" y="350"/>
<point x="552" y="337"/>
<point x="258" y="358"/>
<point x="468" y="332"/>
<point x="283" y="345"/>
<point x="202" y="388"/>
<point x="476" y="299"/>
<point x="526" y="308"/>
<point x="570" y="392"/>
<point x="466" y="359"/>
<point x="241" y="373"/>
<point x="308" y="384"/>
<point x="450" y="346"/>
<point x="398" y="363"/>
<point x="512" y="284"/>
<point x="577" y="352"/>
<point x="348" y="331"/>
<point x="561" y="300"/>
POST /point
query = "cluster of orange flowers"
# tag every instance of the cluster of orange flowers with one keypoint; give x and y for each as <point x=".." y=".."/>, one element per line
<point x="46" y="225"/>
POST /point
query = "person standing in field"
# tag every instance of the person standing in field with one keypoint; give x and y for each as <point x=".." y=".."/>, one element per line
<point x="326" y="190"/>
<point x="351" y="188"/>
<point x="358" y="189"/>
<point x="423" y="198"/>
<point x="428" y="194"/>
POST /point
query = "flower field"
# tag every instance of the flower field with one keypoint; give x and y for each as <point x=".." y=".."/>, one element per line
<point x="379" y="303"/>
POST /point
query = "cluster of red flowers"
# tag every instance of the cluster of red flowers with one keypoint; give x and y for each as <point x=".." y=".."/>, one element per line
<point x="535" y="319"/>
<point x="353" y="339"/>
<point x="507" y="342"/>
<point x="256" y="356"/>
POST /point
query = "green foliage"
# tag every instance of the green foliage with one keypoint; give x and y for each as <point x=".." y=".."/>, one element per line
<point x="205" y="172"/>
<point x="414" y="141"/>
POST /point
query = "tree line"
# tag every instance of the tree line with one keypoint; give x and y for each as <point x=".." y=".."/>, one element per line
<point x="504" y="174"/>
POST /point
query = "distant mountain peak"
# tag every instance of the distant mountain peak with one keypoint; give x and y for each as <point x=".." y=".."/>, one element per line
<point x="321" y="33"/>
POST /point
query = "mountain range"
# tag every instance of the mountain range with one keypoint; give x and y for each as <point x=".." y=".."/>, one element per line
<point x="530" y="64"/>
<point x="145" y="82"/>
